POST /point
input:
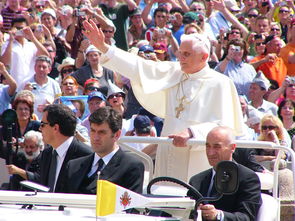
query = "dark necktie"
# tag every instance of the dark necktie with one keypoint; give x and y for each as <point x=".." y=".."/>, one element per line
<point x="100" y="165"/>
<point x="52" y="171"/>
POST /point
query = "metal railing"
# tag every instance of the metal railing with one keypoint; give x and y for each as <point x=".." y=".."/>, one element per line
<point x="194" y="143"/>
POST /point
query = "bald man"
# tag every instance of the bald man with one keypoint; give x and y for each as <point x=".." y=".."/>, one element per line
<point x="244" y="204"/>
<point x="191" y="97"/>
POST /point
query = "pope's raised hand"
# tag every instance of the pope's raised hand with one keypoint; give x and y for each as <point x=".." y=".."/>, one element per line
<point x="95" y="36"/>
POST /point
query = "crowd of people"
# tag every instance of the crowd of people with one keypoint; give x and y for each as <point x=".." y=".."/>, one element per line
<point x="167" y="68"/>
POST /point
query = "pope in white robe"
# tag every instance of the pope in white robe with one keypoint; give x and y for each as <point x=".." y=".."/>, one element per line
<point x="192" y="102"/>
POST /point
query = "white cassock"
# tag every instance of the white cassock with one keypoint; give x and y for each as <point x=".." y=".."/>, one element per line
<point x="210" y="100"/>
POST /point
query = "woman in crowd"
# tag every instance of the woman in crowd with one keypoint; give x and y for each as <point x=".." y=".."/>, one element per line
<point x="69" y="86"/>
<point x="116" y="98"/>
<point x="236" y="67"/>
<point x="271" y="130"/>
<point x="24" y="110"/>
<point x="286" y="114"/>
<point x="93" y="69"/>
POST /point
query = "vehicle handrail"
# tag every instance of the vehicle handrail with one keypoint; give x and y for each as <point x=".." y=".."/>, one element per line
<point x="240" y="144"/>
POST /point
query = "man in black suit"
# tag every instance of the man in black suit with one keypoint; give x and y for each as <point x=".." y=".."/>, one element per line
<point x="242" y="205"/>
<point x="108" y="162"/>
<point x="58" y="127"/>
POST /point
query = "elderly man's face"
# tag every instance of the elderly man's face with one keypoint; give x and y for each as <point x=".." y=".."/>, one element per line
<point x="31" y="148"/>
<point x="191" y="60"/>
<point x="218" y="147"/>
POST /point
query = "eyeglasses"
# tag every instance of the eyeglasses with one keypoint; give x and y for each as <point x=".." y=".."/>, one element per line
<point x="39" y="6"/>
<point x="115" y="95"/>
<point x="91" y="88"/>
<point x="275" y="29"/>
<point x="68" y="83"/>
<point x="284" y="11"/>
<point x="268" y="127"/>
<point x="259" y="43"/>
<point x="235" y="32"/>
<point x="252" y="16"/>
<point x="64" y="71"/>
<point x="43" y="124"/>
<point x="291" y="85"/>
<point x="107" y="31"/>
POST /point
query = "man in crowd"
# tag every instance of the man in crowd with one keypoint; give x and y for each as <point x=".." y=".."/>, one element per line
<point x="43" y="87"/>
<point x="95" y="101"/>
<point x="257" y="90"/>
<point x="188" y="94"/>
<point x="58" y="127"/>
<point x="33" y="145"/>
<point x="20" y="51"/>
<point x="246" y="201"/>
<point x="109" y="160"/>
<point x="13" y="10"/>
<point x="287" y="53"/>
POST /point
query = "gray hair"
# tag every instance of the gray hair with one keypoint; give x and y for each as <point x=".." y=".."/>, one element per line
<point x="25" y="93"/>
<point x="200" y="42"/>
<point x="44" y="58"/>
<point x="35" y="134"/>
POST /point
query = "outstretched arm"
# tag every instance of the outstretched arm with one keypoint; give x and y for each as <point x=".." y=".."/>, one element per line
<point x="95" y="35"/>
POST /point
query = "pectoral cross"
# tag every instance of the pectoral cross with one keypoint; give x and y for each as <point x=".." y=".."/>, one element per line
<point x="180" y="107"/>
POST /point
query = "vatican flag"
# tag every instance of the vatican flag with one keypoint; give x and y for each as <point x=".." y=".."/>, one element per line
<point x="111" y="198"/>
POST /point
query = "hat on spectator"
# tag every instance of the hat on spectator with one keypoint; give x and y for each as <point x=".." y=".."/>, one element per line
<point x="68" y="61"/>
<point x="97" y="94"/>
<point x="136" y="11"/>
<point x="146" y="48"/>
<point x="261" y="80"/>
<point x="232" y="5"/>
<point x="114" y="89"/>
<point x="191" y="17"/>
<point x="254" y="117"/>
<point x="142" y="124"/>
<point x="49" y="11"/>
<point x="66" y="9"/>
<point x="91" y="48"/>
<point x="160" y="48"/>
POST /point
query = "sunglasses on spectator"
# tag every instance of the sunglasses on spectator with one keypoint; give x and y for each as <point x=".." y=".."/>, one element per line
<point x="284" y="11"/>
<point x="235" y="32"/>
<point x="107" y="31"/>
<point x="64" y="71"/>
<point x="291" y="85"/>
<point x="115" y="95"/>
<point x="43" y="124"/>
<point x="268" y="127"/>
<point x="39" y="6"/>
<point x="68" y="83"/>
<point x="252" y="16"/>
<point x="91" y="88"/>
<point x="275" y="29"/>
<point x="259" y="43"/>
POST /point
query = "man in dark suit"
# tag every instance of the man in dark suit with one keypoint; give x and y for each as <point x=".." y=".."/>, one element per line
<point x="243" y="204"/>
<point x="58" y="127"/>
<point x="108" y="162"/>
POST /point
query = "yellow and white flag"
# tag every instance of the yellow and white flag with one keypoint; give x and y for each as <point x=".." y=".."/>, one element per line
<point x="111" y="198"/>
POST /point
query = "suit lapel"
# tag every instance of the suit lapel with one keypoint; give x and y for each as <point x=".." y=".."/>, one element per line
<point x="112" y="166"/>
<point x="204" y="186"/>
